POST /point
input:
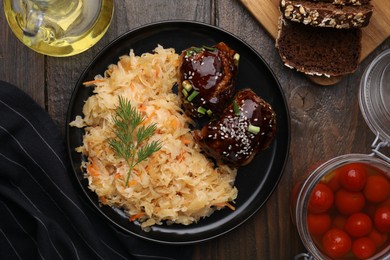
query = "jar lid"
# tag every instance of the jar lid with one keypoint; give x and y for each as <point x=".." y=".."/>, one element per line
<point x="374" y="96"/>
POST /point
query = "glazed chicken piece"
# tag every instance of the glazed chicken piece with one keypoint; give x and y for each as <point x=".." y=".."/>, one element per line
<point x="206" y="79"/>
<point x="246" y="127"/>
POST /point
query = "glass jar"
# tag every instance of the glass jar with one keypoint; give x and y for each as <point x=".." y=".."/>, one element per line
<point x="59" y="28"/>
<point x="305" y="189"/>
<point x="374" y="101"/>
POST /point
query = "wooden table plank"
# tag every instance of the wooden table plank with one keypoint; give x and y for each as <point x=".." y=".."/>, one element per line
<point x="19" y="65"/>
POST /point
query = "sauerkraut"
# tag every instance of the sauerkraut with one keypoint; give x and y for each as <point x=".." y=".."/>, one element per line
<point x="177" y="184"/>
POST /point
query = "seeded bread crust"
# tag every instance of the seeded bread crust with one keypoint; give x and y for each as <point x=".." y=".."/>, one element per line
<point x="321" y="14"/>
<point x="318" y="51"/>
<point x="342" y="2"/>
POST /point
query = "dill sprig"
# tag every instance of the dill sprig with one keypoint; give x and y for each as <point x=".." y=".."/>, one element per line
<point x="131" y="142"/>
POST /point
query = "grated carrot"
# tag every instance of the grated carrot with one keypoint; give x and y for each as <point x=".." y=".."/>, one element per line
<point x="132" y="183"/>
<point x="93" y="81"/>
<point x="103" y="199"/>
<point x="136" y="216"/>
<point x="142" y="107"/>
<point x="148" y="118"/>
<point x="136" y="172"/>
<point x="182" y="155"/>
<point x="157" y="69"/>
<point x="92" y="169"/>
<point x="185" y="140"/>
<point x="131" y="85"/>
<point x="174" y="123"/>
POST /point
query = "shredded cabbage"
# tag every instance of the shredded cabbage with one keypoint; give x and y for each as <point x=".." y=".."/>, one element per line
<point x="177" y="184"/>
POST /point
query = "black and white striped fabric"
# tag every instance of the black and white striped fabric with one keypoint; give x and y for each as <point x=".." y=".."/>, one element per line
<point x="43" y="214"/>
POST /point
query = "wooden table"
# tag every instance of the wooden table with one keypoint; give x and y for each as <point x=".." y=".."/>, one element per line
<point x="325" y="121"/>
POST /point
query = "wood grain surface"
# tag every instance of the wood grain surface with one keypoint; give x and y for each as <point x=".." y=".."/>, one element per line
<point x="378" y="30"/>
<point x="325" y="121"/>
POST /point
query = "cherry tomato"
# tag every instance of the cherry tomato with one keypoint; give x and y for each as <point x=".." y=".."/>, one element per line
<point x="348" y="202"/>
<point x="358" y="225"/>
<point x="336" y="243"/>
<point x="378" y="238"/>
<point x="370" y="209"/>
<point x="318" y="223"/>
<point x="339" y="221"/>
<point x="353" y="177"/>
<point x="386" y="202"/>
<point x="382" y="219"/>
<point x="363" y="248"/>
<point x="321" y="199"/>
<point x="377" y="188"/>
<point x="332" y="179"/>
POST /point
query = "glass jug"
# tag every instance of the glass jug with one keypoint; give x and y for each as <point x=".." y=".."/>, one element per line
<point x="59" y="27"/>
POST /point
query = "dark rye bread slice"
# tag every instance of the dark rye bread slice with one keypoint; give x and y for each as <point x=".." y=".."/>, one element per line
<point x="318" y="51"/>
<point x="321" y="14"/>
<point x="342" y="2"/>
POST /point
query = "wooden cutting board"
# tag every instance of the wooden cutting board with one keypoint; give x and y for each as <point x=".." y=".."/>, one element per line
<point x="378" y="30"/>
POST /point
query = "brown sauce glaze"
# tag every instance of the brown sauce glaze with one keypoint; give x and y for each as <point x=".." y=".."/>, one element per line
<point x="241" y="132"/>
<point x="211" y="72"/>
<point x="203" y="71"/>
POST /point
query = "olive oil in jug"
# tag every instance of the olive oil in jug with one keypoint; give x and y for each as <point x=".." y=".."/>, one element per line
<point x="59" y="27"/>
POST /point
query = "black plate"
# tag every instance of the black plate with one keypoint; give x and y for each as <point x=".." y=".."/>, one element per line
<point x="255" y="182"/>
